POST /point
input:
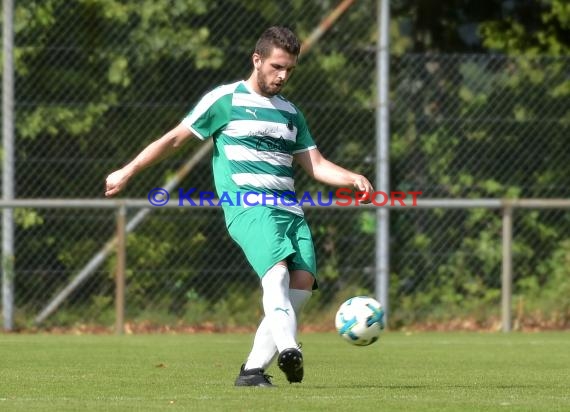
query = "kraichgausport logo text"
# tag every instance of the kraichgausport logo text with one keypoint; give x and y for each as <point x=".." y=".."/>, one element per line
<point x="342" y="197"/>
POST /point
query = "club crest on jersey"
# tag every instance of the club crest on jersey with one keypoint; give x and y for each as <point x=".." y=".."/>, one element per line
<point x="266" y="143"/>
<point x="290" y="124"/>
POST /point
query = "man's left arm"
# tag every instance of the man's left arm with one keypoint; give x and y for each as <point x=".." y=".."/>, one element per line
<point x="325" y="171"/>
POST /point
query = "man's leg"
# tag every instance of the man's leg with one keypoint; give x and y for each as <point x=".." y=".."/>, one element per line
<point x="282" y="321"/>
<point x="277" y="330"/>
<point x="264" y="349"/>
<point x="280" y="234"/>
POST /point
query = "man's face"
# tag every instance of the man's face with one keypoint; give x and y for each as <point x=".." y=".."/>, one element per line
<point x="273" y="72"/>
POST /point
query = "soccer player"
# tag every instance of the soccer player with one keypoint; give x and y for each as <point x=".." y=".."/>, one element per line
<point x="257" y="135"/>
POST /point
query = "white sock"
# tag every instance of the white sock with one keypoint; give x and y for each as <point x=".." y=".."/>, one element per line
<point x="298" y="299"/>
<point x="264" y="349"/>
<point x="277" y="307"/>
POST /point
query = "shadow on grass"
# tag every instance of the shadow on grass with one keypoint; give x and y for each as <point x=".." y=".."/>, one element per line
<point x="400" y="387"/>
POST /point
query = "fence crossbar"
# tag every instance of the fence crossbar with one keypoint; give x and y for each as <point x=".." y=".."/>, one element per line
<point x="120" y="205"/>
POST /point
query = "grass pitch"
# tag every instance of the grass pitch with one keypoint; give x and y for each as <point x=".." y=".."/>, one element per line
<point x="401" y="372"/>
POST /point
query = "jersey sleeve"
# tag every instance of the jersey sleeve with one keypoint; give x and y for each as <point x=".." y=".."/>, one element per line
<point x="210" y="115"/>
<point x="305" y="140"/>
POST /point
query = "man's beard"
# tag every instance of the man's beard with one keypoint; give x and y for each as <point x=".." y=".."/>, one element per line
<point x="266" y="88"/>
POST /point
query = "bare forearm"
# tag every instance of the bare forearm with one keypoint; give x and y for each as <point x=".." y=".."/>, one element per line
<point x="330" y="173"/>
<point x="334" y="175"/>
<point x="154" y="152"/>
<point x="157" y="150"/>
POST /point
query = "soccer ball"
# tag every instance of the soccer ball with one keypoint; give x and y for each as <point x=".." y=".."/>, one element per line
<point x="360" y="320"/>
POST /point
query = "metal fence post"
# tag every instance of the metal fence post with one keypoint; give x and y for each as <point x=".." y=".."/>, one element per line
<point x="383" y="157"/>
<point x="120" y="271"/>
<point x="8" y="131"/>
<point x="507" y="275"/>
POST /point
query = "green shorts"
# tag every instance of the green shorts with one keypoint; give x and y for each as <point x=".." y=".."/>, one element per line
<point x="269" y="235"/>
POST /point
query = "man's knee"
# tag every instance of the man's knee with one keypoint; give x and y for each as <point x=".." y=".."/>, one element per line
<point x="277" y="275"/>
<point x="301" y="279"/>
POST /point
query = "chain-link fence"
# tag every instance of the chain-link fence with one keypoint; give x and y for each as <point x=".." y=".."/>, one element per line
<point x="96" y="81"/>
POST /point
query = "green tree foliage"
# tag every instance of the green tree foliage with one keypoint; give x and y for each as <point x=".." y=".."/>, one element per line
<point x="532" y="28"/>
<point x="485" y="125"/>
<point x="97" y="80"/>
<point x="540" y="30"/>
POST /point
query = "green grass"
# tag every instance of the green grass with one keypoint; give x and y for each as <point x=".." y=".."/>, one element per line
<point x="401" y="372"/>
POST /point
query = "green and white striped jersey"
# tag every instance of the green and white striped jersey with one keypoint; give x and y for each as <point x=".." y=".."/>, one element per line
<point x="255" y="138"/>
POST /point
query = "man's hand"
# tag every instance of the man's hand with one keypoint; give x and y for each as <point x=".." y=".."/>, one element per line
<point x="116" y="182"/>
<point x="364" y="189"/>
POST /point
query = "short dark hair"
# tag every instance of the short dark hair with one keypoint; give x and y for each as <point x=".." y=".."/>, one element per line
<point x="279" y="37"/>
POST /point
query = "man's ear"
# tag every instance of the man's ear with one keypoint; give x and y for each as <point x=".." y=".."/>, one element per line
<point x="257" y="60"/>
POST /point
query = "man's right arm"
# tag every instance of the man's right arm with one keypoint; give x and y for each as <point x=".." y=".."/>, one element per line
<point x="154" y="152"/>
